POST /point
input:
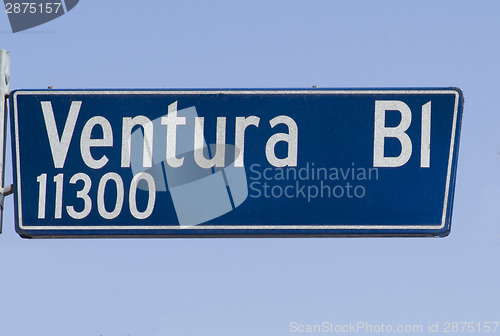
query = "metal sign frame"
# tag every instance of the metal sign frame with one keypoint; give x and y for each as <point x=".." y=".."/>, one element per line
<point x="259" y="230"/>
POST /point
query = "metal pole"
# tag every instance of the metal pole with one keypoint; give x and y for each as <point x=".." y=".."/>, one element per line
<point x="4" y="92"/>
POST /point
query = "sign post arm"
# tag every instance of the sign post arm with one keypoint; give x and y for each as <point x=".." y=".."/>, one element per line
<point x="4" y="93"/>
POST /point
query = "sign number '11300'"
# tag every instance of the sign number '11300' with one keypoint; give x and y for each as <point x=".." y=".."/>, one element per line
<point x="235" y="163"/>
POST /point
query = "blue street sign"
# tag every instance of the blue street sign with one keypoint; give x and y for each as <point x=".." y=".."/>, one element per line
<point x="235" y="163"/>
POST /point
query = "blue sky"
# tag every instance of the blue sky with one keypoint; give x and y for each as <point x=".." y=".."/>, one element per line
<point x="259" y="286"/>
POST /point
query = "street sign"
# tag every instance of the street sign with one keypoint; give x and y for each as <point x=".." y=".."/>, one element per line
<point x="235" y="163"/>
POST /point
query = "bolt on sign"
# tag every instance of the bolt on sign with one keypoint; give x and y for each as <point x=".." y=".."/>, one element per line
<point x="235" y="163"/>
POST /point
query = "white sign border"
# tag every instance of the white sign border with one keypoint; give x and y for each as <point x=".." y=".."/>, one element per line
<point x="233" y="92"/>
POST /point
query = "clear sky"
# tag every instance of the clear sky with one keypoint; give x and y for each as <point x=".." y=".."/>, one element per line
<point x="161" y="287"/>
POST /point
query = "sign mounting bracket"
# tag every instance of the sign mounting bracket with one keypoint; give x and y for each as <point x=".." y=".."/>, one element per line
<point x="4" y="94"/>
